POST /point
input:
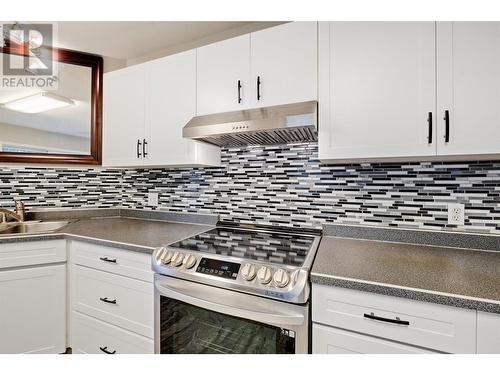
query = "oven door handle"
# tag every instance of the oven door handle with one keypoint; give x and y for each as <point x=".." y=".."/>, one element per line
<point x="259" y="316"/>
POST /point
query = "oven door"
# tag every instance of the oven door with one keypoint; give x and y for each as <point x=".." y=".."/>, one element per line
<point x="193" y="318"/>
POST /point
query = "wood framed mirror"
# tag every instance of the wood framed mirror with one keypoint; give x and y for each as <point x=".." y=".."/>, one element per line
<point x="70" y="132"/>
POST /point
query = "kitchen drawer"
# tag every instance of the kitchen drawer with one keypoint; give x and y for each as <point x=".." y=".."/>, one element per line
<point x="19" y="254"/>
<point x="90" y="335"/>
<point x="438" y="327"/>
<point x="118" y="261"/>
<point x="133" y="299"/>
<point x="328" y="340"/>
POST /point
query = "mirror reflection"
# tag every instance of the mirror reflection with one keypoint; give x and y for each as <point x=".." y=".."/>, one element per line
<point x="49" y="121"/>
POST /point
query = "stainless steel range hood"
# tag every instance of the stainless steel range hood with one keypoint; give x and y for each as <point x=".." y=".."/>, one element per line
<point x="271" y="125"/>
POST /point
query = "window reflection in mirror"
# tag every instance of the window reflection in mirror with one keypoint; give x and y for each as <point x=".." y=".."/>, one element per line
<point x="60" y="122"/>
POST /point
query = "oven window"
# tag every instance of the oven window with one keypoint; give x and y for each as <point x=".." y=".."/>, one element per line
<point x="188" y="329"/>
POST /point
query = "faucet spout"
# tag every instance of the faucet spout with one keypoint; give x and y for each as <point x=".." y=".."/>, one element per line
<point x="17" y="215"/>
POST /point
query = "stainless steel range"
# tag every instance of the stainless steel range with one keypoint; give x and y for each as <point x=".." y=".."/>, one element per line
<point x="234" y="289"/>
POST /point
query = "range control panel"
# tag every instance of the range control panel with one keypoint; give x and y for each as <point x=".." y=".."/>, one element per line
<point x="219" y="268"/>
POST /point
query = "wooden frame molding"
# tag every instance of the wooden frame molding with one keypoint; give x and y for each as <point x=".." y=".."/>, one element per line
<point x="94" y="62"/>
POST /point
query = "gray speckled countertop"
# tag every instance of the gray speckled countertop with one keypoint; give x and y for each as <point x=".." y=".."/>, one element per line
<point x="450" y="276"/>
<point x="126" y="233"/>
<point x="133" y="234"/>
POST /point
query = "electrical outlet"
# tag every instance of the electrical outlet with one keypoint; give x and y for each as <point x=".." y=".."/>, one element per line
<point x="456" y="213"/>
<point x="153" y="199"/>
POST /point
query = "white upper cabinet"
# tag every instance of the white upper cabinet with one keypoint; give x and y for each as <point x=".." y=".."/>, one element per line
<point x="376" y="90"/>
<point x="284" y="64"/>
<point x="223" y="72"/>
<point x="123" y="116"/>
<point x="468" y="61"/>
<point x="269" y="67"/>
<point x="170" y="104"/>
<point x="380" y="81"/>
<point x="145" y="108"/>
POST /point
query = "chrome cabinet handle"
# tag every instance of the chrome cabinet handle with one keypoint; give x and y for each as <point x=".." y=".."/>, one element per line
<point x="105" y="350"/>
<point x="144" y="151"/>
<point x="105" y="299"/>
<point x="372" y="316"/>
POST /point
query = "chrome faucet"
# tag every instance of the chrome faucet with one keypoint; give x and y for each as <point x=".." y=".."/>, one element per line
<point x="18" y="214"/>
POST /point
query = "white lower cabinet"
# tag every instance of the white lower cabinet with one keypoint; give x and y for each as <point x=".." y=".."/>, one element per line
<point x="329" y="340"/>
<point x="111" y="309"/>
<point x="425" y="325"/>
<point x="93" y="336"/>
<point x="488" y="333"/>
<point x="117" y="300"/>
<point x="31" y="253"/>
<point x="134" y="265"/>
<point x="112" y="300"/>
<point x="33" y="309"/>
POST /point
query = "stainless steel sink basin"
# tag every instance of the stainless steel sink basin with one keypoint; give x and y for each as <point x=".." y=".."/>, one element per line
<point x="4" y="226"/>
<point x="31" y="227"/>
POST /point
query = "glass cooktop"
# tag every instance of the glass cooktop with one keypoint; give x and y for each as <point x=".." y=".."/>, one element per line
<point x="274" y="247"/>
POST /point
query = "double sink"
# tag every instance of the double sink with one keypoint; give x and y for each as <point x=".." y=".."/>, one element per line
<point x="31" y="227"/>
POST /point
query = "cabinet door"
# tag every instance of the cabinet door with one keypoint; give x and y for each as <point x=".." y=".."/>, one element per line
<point x="469" y="87"/>
<point x="376" y="89"/>
<point x="488" y="333"/>
<point x="285" y="60"/>
<point x="170" y="104"/>
<point x="219" y="68"/>
<point x="33" y="312"/>
<point x="123" y="119"/>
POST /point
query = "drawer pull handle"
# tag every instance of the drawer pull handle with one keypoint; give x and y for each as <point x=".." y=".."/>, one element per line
<point x="105" y="350"/>
<point x="105" y="299"/>
<point x="106" y="259"/>
<point x="387" y="320"/>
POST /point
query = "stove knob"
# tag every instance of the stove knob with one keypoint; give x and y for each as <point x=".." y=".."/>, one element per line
<point x="160" y="252"/>
<point x="248" y="272"/>
<point x="189" y="261"/>
<point x="177" y="259"/>
<point x="166" y="257"/>
<point x="281" y="278"/>
<point x="295" y="277"/>
<point x="264" y="275"/>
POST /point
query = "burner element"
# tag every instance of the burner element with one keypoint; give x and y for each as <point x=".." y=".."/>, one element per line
<point x="273" y="247"/>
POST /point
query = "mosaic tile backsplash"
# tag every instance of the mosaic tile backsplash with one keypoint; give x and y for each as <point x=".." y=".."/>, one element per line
<point x="282" y="185"/>
<point x="60" y="187"/>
